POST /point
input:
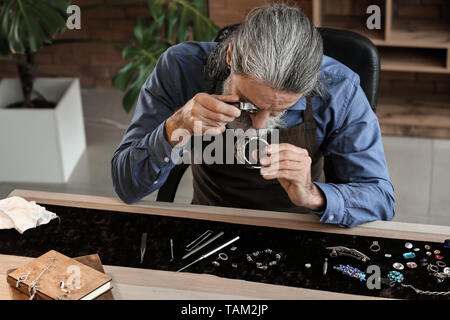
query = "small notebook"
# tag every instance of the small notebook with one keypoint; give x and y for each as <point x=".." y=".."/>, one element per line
<point x="89" y="285"/>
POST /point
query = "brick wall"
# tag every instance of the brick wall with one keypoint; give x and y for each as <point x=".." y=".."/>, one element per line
<point x="95" y="64"/>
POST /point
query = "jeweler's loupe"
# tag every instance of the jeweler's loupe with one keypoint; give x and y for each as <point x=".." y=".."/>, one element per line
<point x="244" y="106"/>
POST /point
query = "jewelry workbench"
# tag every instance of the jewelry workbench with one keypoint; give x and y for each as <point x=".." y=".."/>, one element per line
<point x="269" y="255"/>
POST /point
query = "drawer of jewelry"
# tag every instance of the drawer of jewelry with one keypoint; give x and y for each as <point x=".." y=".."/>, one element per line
<point x="360" y="265"/>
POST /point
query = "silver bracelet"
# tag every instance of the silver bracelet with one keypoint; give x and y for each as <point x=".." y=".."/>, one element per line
<point x="428" y="293"/>
<point x="344" y="251"/>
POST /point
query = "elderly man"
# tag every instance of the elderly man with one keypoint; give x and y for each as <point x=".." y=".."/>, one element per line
<point x="275" y="61"/>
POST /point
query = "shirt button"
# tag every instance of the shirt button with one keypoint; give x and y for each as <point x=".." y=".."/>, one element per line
<point x="166" y="159"/>
<point x="331" y="218"/>
<point x="156" y="181"/>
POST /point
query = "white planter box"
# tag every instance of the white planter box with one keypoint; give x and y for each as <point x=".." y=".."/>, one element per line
<point x="41" y="145"/>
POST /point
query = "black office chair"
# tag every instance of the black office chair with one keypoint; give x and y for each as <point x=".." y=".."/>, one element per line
<point x="352" y="49"/>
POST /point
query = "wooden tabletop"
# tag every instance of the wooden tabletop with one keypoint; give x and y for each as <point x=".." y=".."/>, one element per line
<point x="145" y="284"/>
<point x="134" y="283"/>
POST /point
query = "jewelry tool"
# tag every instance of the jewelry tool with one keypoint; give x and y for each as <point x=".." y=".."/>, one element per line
<point x="199" y="240"/>
<point x="325" y="267"/>
<point x="203" y="245"/>
<point x="206" y="255"/>
<point x="244" y="106"/>
<point x="171" y="249"/>
<point x="143" y="245"/>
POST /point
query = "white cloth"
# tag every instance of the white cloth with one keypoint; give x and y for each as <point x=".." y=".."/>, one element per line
<point x="18" y="213"/>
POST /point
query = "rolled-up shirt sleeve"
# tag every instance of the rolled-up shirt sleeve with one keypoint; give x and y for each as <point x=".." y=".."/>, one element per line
<point x="143" y="160"/>
<point x="364" y="191"/>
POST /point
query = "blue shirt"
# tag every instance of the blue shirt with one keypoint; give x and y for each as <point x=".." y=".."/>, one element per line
<point x="348" y="132"/>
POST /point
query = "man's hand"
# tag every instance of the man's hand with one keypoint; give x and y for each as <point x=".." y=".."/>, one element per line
<point x="291" y="165"/>
<point x="211" y="110"/>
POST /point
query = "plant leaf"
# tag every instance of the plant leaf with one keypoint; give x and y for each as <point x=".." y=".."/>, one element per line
<point x="171" y="22"/>
<point x="133" y="92"/>
<point x="27" y="24"/>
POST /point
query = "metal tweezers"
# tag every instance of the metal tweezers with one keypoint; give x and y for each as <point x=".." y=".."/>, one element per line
<point x="143" y="245"/>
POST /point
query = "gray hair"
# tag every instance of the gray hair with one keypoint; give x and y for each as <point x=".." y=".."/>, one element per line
<point x="279" y="46"/>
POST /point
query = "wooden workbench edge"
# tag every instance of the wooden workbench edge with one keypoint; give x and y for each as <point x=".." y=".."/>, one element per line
<point x="142" y="284"/>
<point x="308" y="222"/>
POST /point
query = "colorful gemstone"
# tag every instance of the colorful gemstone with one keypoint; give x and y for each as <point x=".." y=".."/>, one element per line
<point x="436" y="252"/>
<point x="429" y="253"/>
<point x="416" y="249"/>
<point x="427" y="247"/>
<point x="307" y="265"/>
<point x="398" y="266"/>
<point x="408" y="245"/>
<point x="388" y="255"/>
<point x="395" y="276"/>
<point x="409" y="255"/>
<point x="439" y="257"/>
<point x="411" y="265"/>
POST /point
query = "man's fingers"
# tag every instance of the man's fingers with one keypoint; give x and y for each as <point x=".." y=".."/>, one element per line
<point x="206" y="122"/>
<point x="216" y="105"/>
<point x="280" y="174"/>
<point x="215" y="116"/>
<point x="226" y="97"/>
<point x="285" y="155"/>
<point x="283" y="165"/>
<point x="275" y="148"/>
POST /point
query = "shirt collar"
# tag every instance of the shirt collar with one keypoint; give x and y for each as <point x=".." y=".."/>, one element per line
<point x="299" y="105"/>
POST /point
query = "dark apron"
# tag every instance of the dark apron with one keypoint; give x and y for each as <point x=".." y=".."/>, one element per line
<point x="235" y="185"/>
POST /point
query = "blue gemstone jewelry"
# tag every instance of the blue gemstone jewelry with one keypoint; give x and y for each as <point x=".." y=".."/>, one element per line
<point x="447" y="243"/>
<point x="409" y="255"/>
<point x="351" y="271"/>
<point x="395" y="276"/>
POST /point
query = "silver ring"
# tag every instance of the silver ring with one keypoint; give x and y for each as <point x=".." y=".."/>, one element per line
<point x="375" y="247"/>
<point x="223" y="256"/>
<point x="441" y="264"/>
<point x="245" y="146"/>
<point x="433" y="268"/>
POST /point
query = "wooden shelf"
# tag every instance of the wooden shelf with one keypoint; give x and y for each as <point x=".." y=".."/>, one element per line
<point x="410" y="42"/>
<point x="408" y="114"/>
<point x="424" y="33"/>
<point x="413" y="59"/>
<point x="352" y="23"/>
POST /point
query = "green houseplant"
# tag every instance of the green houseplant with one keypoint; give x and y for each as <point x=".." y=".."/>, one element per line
<point x="26" y="27"/>
<point x="48" y="144"/>
<point x="42" y="138"/>
<point x="171" y="22"/>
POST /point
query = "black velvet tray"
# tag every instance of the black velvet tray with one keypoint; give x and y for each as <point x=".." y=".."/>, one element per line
<point x="116" y="237"/>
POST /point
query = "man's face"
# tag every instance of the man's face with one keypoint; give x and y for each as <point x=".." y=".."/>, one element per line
<point x="272" y="103"/>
